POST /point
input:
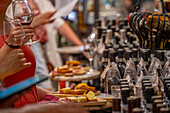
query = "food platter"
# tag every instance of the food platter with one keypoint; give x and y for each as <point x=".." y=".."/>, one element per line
<point x="86" y="76"/>
<point x="88" y="104"/>
<point x="73" y="71"/>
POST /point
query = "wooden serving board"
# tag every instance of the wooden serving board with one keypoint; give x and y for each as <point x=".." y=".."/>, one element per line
<point x="107" y="97"/>
<point x="89" y="104"/>
<point x="62" y="95"/>
<point x="95" y="103"/>
<point x="57" y="94"/>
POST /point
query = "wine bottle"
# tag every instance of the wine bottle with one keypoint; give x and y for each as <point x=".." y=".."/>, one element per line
<point x="104" y="65"/>
<point x="125" y="93"/>
<point x="121" y="64"/>
<point x="117" y="105"/>
<point x="135" y="56"/>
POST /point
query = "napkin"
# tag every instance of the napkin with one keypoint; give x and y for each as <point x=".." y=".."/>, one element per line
<point x="65" y="10"/>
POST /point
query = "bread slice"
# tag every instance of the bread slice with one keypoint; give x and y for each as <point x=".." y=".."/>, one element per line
<point x="65" y="90"/>
<point x="76" y="99"/>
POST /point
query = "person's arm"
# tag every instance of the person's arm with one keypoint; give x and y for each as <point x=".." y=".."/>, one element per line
<point x="42" y="19"/>
<point x="41" y="92"/>
<point x="69" y="34"/>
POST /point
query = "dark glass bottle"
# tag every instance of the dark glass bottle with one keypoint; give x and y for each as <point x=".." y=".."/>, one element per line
<point x="148" y="93"/>
<point x="104" y="65"/>
<point x="145" y="55"/>
<point x="135" y="56"/>
<point x="112" y="56"/>
<point x="131" y="38"/>
<point x="112" y="76"/>
<point x="131" y="101"/>
<point x="160" y="56"/>
<point x="125" y="93"/>
<point x="116" y="106"/>
<point x="121" y="64"/>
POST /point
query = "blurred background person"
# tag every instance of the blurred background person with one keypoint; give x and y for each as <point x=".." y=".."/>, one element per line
<point x="46" y="55"/>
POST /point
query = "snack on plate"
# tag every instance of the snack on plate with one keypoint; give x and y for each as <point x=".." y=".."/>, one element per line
<point x="65" y="90"/>
<point x="91" y="95"/>
<point x="79" y="72"/>
<point x="76" y="99"/>
<point x="69" y="74"/>
<point x="90" y="88"/>
<point x="84" y="86"/>
<point x="77" y="92"/>
<point x="55" y="73"/>
<point x="64" y="69"/>
<point x="60" y="95"/>
<point x="72" y="63"/>
<point x="81" y="86"/>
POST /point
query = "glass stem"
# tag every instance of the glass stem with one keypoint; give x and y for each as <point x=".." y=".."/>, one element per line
<point x="91" y="64"/>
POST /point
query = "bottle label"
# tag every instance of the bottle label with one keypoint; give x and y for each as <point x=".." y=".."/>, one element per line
<point x="125" y="108"/>
<point x="115" y="89"/>
<point x="149" y="106"/>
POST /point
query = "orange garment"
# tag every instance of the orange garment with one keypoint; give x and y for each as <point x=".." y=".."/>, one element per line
<point x="29" y="96"/>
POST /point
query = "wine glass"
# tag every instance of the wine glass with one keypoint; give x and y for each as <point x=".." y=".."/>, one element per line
<point x="89" y="52"/>
<point x="22" y="12"/>
<point x="13" y="33"/>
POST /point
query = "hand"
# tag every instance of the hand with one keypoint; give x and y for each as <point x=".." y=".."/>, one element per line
<point x="29" y="32"/>
<point x="12" y="62"/>
<point x="16" y="34"/>
<point x="43" y="19"/>
<point x="52" y="108"/>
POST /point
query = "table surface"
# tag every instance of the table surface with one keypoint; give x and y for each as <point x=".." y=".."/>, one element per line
<point x="87" y="76"/>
